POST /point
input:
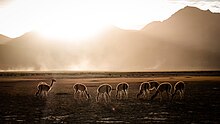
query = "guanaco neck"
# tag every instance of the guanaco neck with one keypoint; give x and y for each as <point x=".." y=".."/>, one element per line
<point x="51" y="83"/>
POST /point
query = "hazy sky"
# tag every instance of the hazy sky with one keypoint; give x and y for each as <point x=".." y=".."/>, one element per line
<point x="87" y="17"/>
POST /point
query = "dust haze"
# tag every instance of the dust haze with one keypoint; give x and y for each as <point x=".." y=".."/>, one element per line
<point x="182" y="42"/>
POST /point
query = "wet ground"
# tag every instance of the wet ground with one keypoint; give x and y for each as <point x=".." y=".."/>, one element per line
<point x="201" y="103"/>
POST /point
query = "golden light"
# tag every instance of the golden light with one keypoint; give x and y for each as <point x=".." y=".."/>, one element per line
<point x="71" y="23"/>
<point x="71" y="20"/>
<point x="75" y="30"/>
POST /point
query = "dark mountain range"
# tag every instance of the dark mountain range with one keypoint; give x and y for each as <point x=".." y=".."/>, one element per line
<point x="190" y="27"/>
<point x="188" y="40"/>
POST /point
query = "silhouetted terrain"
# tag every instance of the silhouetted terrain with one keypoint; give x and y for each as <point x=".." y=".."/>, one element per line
<point x="188" y="40"/>
<point x="4" y="39"/>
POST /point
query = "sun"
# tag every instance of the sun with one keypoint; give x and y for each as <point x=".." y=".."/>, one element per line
<point x="76" y="20"/>
<point x="68" y="21"/>
<point x="71" y="28"/>
<point x="71" y="31"/>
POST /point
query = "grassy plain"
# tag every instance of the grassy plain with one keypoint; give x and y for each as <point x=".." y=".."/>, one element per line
<point x="201" y="103"/>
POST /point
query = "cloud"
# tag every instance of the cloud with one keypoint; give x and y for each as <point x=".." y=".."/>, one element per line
<point x="217" y="7"/>
<point x="196" y="0"/>
<point x="212" y="5"/>
<point x="4" y="3"/>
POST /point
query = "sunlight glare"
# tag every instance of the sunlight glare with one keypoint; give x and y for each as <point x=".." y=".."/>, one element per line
<point x="79" y="20"/>
<point x="70" y="30"/>
<point x="65" y="22"/>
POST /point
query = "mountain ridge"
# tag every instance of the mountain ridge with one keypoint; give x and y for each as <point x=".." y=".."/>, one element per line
<point x="182" y="42"/>
<point x="4" y="39"/>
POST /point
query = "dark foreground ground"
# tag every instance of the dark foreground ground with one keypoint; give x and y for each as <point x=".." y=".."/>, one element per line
<point x="201" y="103"/>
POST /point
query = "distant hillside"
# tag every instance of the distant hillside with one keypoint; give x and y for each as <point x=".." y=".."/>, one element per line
<point x="194" y="32"/>
<point x="4" y="39"/>
<point x="188" y="40"/>
<point x="190" y="27"/>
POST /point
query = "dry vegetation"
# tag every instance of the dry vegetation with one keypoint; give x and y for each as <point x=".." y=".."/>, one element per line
<point x="201" y="102"/>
